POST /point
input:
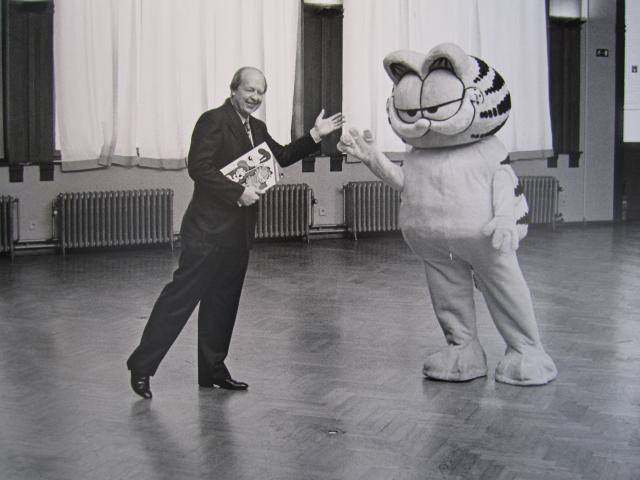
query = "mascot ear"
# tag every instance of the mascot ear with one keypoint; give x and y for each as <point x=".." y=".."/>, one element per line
<point x="398" y="64"/>
<point x="397" y="71"/>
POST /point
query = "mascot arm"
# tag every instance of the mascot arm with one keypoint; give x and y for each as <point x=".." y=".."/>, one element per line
<point x="364" y="149"/>
<point x="502" y="228"/>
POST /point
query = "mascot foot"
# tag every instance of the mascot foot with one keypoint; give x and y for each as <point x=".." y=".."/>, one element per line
<point x="457" y="363"/>
<point x="532" y="366"/>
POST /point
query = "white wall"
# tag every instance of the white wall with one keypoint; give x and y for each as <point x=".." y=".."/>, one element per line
<point x="36" y="197"/>
<point x="599" y="108"/>
<point x="571" y="180"/>
<point x="588" y="190"/>
<point x="327" y="187"/>
<point x="631" y="78"/>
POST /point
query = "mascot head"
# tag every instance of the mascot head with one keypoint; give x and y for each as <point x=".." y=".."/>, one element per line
<point x="444" y="98"/>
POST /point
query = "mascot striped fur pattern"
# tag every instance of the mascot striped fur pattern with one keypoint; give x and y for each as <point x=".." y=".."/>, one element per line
<point x="462" y="212"/>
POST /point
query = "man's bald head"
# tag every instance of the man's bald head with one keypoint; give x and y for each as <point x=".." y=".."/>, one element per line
<point x="240" y="73"/>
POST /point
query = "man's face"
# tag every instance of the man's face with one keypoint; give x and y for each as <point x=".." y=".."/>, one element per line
<point x="250" y="93"/>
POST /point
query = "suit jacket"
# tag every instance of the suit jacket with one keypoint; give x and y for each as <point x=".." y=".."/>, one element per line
<point x="213" y="217"/>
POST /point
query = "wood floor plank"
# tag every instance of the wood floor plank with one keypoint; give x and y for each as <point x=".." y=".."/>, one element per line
<point x="331" y="338"/>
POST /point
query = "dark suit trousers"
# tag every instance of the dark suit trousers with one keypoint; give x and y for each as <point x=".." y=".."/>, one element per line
<point x="212" y="278"/>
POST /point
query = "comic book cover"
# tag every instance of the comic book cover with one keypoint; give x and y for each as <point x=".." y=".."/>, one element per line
<point x="257" y="168"/>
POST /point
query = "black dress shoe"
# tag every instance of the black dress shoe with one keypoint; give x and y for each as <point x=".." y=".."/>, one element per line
<point x="227" y="384"/>
<point x="140" y="385"/>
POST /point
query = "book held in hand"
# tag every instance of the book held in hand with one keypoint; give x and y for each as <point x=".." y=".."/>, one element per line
<point x="257" y="168"/>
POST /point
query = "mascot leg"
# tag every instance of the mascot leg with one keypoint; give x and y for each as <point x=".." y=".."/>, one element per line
<point x="509" y="302"/>
<point x="451" y="289"/>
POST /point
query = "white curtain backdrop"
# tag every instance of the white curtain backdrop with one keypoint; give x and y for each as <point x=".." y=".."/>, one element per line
<point x="509" y="35"/>
<point x="132" y="76"/>
<point x="95" y="54"/>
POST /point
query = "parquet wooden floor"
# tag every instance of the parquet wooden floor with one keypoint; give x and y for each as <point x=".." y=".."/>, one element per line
<point x="331" y="338"/>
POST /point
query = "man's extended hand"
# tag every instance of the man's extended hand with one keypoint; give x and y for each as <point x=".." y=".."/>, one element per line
<point x="324" y="126"/>
<point x="249" y="197"/>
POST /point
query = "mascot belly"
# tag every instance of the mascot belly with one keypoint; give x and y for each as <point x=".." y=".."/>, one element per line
<point x="462" y="212"/>
<point x="434" y="177"/>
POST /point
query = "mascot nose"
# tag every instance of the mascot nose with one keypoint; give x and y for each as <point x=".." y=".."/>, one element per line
<point x="417" y="129"/>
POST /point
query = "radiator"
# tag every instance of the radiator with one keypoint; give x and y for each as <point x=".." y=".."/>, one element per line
<point x="114" y="219"/>
<point x="370" y="207"/>
<point x="8" y="223"/>
<point x="374" y="206"/>
<point x="542" y="195"/>
<point x="285" y="211"/>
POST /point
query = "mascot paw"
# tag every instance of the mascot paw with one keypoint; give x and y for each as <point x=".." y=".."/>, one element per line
<point x="361" y="147"/>
<point x="457" y="363"/>
<point x="532" y="366"/>
<point x="504" y="234"/>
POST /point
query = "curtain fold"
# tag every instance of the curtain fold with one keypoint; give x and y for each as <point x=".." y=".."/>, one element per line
<point x="518" y="50"/>
<point x="132" y="76"/>
<point x="92" y="39"/>
<point x="509" y="35"/>
<point x="280" y="25"/>
<point x="371" y="29"/>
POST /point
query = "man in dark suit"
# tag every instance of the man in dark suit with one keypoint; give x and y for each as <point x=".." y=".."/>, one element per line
<point x="217" y="233"/>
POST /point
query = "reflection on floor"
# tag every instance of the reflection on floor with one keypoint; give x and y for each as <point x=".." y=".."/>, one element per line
<point x="331" y="338"/>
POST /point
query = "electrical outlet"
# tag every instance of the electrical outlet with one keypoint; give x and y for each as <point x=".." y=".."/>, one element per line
<point x="322" y="211"/>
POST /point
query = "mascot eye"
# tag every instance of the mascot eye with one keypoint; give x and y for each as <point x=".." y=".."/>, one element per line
<point x="409" y="116"/>
<point x="444" y="110"/>
<point x="406" y="97"/>
<point x="442" y="94"/>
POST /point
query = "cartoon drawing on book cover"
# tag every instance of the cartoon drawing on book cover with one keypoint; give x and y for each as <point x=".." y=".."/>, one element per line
<point x="462" y="212"/>
<point x="254" y="169"/>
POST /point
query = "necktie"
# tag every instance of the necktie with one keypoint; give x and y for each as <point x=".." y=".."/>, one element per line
<point x="247" y="128"/>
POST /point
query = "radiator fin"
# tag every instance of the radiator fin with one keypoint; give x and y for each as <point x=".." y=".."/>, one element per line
<point x="114" y="218"/>
<point x="284" y="211"/>
<point x="371" y="206"/>
<point x="8" y="223"/>
<point x="542" y="194"/>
